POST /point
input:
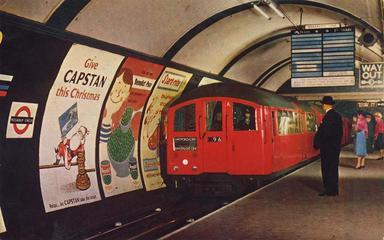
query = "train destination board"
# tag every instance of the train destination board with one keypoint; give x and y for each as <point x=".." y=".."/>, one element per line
<point x="323" y="57"/>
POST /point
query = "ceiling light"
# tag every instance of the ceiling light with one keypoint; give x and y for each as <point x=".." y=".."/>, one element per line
<point x="273" y="5"/>
<point x="261" y="11"/>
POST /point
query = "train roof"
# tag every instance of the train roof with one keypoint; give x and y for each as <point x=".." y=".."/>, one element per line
<point x="258" y="96"/>
<point x="309" y="107"/>
<point x="306" y="107"/>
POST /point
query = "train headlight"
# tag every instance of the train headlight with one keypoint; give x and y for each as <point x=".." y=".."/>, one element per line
<point x="175" y="168"/>
<point x="185" y="162"/>
<point x="194" y="168"/>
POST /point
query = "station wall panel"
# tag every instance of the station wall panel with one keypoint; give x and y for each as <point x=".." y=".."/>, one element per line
<point x="57" y="178"/>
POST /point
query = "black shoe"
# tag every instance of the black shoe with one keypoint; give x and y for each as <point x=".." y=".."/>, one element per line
<point x="324" y="194"/>
<point x="332" y="194"/>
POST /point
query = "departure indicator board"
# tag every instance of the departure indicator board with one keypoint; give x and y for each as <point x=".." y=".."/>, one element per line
<point x="323" y="57"/>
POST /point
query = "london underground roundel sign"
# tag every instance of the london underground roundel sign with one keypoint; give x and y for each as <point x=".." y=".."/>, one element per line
<point x="21" y="120"/>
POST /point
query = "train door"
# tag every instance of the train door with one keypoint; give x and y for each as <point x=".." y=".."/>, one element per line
<point x="214" y="138"/>
<point x="184" y="140"/>
<point x="268" y="134"/>
<point x="274" y="133"/>
<point x="303" y="151"/>
<point x="245" y="145"/>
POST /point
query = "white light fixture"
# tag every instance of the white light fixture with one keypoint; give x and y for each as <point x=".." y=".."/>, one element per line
<point x="185" y="162"/>
<point x="261" y="11"/>
<point x="273" y="5"/>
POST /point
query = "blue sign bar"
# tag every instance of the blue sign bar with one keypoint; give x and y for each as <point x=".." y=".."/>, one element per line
<point x="326" y="55"/>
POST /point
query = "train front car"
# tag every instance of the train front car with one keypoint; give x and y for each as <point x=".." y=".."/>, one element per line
<point x="214" y="138"/>
<point x="220" y="132"/>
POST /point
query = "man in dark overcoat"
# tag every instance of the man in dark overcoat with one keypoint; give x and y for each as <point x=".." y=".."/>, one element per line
<point x="328" y="140"/>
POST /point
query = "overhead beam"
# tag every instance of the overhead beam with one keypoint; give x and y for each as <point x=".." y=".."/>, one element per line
<point x="270" y="71"/>
<point x="179" y="44"/>
<point x="338" y="96"/>
<point x="252" y="48"/>
<point x="66" y="12"/>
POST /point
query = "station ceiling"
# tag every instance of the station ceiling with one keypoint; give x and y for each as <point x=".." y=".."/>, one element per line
<point x="225" y="37"/>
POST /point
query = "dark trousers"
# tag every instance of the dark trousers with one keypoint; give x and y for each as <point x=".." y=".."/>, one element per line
<point x="370" y="141"/>
<point x="330" y="169"/>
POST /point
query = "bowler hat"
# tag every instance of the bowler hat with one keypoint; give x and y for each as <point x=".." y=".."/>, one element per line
<point x="328" y="100"/>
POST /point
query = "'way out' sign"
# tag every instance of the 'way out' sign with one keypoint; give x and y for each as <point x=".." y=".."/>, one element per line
<point x="371" y="75"/>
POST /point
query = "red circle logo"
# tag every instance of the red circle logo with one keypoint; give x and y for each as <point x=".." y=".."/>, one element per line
<point x="24" y="129"/>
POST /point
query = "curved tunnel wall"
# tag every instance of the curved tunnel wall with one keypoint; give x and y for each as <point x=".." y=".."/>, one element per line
<point x="68" y="88"/>
<point x="80" y="134"/>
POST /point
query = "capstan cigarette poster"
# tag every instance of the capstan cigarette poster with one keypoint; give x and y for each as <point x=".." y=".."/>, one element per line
<point x="119" y="131"/>
<point x="69" y="128"/>
<point x="170" y="84"/>
<point x="2" y="225"/>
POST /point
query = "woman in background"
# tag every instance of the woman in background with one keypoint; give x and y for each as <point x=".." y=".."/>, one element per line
<point x="379" y="131"/>
<point x="353" y="130"/>
<point x="361" y="143"/>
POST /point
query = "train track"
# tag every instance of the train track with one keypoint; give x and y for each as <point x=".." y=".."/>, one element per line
<point x="172" y="213"/>
<point x="162" y="220"/>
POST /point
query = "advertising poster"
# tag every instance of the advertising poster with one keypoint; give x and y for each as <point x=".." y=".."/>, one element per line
<point x="21" y="120"/>
<point x="2" y="225"/>
<point x="5" y="81"/>
<point x="170" y="84"/>
<point x="70" y="125"/>
<point x="119" y="131"/>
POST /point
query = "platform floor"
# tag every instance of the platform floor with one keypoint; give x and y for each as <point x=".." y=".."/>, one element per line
<point x="291" y="209"/>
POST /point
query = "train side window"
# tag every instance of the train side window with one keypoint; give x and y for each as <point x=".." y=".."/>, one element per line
<point x="301" y="122"/>
<point x="296" y="124"/>
<point x="184" y="120"/>
<point x="214" y="116"/>
<point x="273" y="123"/>
<point x="284" y="121"/>
<point x="243" y="117"/>
<point x="291" y="123"/>
<point x="311" y="122"/>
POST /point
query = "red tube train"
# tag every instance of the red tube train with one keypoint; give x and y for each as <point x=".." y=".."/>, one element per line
<point x="224" y="130"/>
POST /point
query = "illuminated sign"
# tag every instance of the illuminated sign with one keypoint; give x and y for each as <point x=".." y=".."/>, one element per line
<point x="318" y="26"/>
<point x="323" y="57"/>
<point x="371" y="75"/>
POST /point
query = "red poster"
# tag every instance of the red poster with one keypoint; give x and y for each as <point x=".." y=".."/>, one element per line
<point x="119" y="167"/>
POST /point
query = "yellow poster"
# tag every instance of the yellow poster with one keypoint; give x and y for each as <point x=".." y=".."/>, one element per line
<point x="2" y="225"/>
<point x="171" y="84"/>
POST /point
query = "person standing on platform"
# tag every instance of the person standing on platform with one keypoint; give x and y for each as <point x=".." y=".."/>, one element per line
<point x="328" y="140"/>
<point x="361" y="140"/>
<point x="371" y="133"/>
<point x="379" y="134"/>
<point x="353" y="131"/>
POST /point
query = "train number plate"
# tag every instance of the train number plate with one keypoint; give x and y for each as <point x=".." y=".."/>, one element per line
<point x="214" y="139"/>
